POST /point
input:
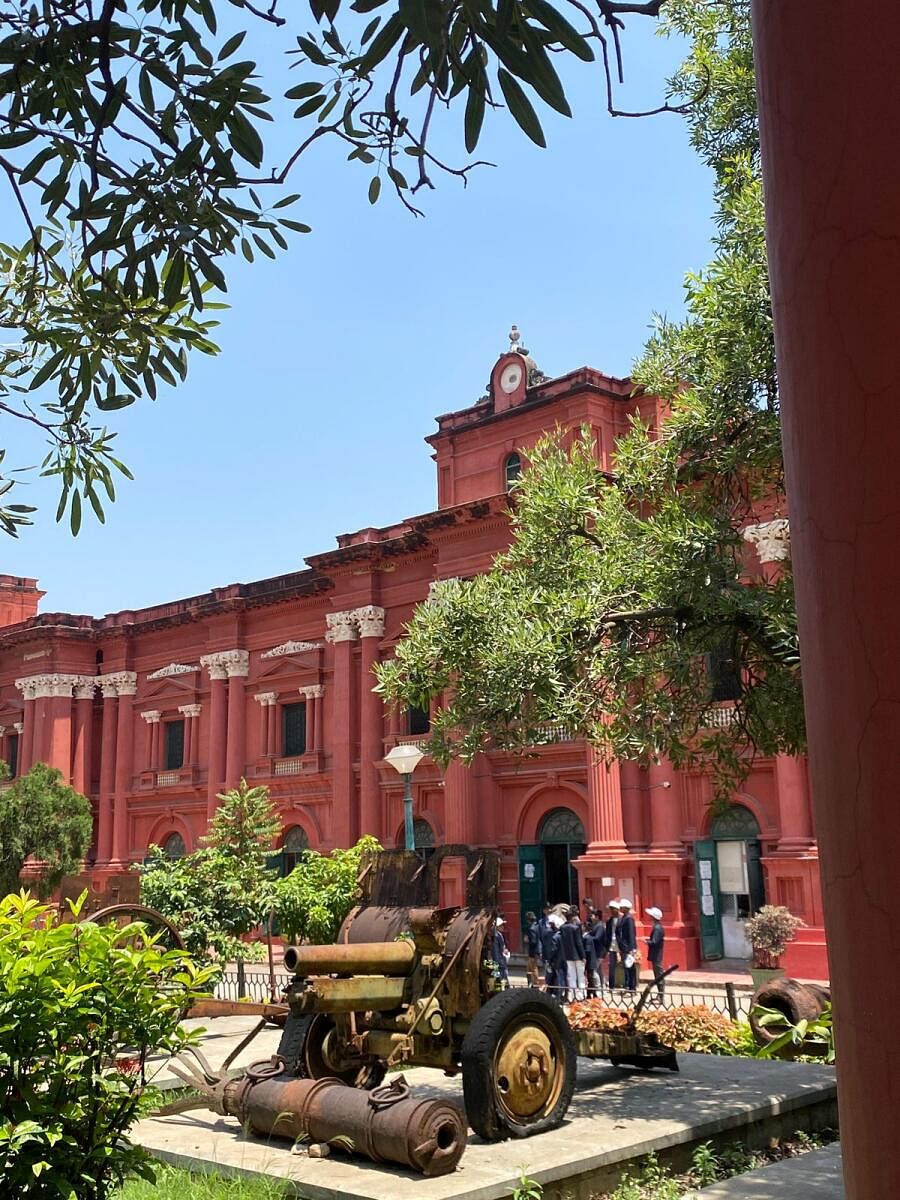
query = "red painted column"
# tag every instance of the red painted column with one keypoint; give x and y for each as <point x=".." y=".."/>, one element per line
<point x="26" y="755"/>
<point x="793" y="804"/>
<point x="830" y="120"/>
<point x="460" y="817"/>
<point x="606" y="831"/>
<point x="151" y="718"/>
<point x="217" y="730"/>
<point x="191" y="714"/>
<point x="83" y="741"/>
<point x="126" y="686"/>
<point x="664" y="787"/>
<point x="107" y="770"/>
<point x="58" y="724"/>
<point x="371" y="720"/>
<point x="341" y="634"/>
<point x="238" y="668"/>
<point x="264" y="700"/>
<point x="272" y="726"/>
<point x="634" y="799"/>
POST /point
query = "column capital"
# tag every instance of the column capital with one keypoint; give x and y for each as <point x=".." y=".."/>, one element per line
<point x="85" y="687"/>
<point x="226" y="663"/>
<point x="190" y="710"/>
<point x="370" y="620"/>
<point x="772" y="539"/>
<point x="18" y="726"/>
<point x="124" y="682"/>
<point x="37" y="687"/>
<point x="265" y="698"/>
<point x="314" y="692"/>
<point x="341" y="626"/>
<point x="151" y="716"/>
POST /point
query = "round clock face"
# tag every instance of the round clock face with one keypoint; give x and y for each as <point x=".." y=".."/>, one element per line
<point x="511" y="377"/>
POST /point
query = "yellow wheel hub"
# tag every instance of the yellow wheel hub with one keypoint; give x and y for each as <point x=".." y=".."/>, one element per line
<point x="527" y="1074"/>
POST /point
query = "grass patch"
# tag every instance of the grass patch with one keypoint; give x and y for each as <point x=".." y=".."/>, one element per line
<point x="174" y="1184"/>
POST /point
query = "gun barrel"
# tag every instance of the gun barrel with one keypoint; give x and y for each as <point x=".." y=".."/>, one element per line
<point x="360" y="958"/>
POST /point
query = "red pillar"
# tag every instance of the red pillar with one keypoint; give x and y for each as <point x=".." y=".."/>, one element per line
<point x="26" y="756"/>
<point x="606" y="832"/>
<point x="793" y="804"/>
<point x="271" y="711"/>
<point x="126" y="686"/>
<point x="84" y="729"/>
<point x="664" y="788"/>
<point x="341" y="634"/>
<point x="217" y="730"/>
<point x="107" y="771"/>
<point x="151" y="718"/>
<point x="191" y="714"/>
<point x="238" y="668"/>
<point x="634" y="802"/>
<point x="830" y="121"/>
<point x="58" y="725"/>
<point x="371" y="720"/>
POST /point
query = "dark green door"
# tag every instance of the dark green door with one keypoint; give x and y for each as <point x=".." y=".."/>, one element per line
<point x="531" y="881"/>
<point x="755" y="876"/>
<point x="708" y="898"/>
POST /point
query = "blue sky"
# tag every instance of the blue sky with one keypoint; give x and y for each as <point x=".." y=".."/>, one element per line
<point x="336" y="357"/>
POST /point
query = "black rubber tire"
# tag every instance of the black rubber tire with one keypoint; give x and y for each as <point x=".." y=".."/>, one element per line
<point x="299" y="1058"/>
<point x="501" y="1014"/>
<point x="795" y="1000"/>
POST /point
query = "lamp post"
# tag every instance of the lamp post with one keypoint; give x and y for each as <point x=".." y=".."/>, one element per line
<point x="404" y="759"/>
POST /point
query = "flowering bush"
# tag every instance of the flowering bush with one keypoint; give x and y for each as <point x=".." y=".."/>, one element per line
<point x="769" y="933"/>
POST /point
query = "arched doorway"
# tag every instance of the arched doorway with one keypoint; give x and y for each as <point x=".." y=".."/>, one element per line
<point x="562" y="840"/>
<point x="174" y="847"/>
<point x="293" y="846"/>
<point x="423" y="837"/>
<point x="730" y="882"/>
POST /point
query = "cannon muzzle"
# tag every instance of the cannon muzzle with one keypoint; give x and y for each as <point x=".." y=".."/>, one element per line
<point x="360" y="958"/>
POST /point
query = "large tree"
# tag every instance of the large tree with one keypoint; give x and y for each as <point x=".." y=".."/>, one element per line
<point x="624" y="609"/>
<point x="44" y="819"/>
<point x="132" y="148"/>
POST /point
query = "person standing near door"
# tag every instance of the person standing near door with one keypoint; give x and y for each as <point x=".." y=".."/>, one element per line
<point x="572" y="952"/>
<point x="533" y="939"/>
<point x="655" y="945"/>
<point x="626" y="936"/>
<point x="612" y="944"/>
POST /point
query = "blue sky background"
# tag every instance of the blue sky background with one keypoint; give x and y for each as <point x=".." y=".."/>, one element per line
<point x="336" y="357"/>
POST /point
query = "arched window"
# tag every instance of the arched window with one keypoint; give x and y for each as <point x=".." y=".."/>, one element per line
<point x="562" y="825"/>
<point x="293" y="846"/>
<point x="735" y="823"/>
<point x="174" y="847"/>
<point x="423" y="834"/>
<point x="512" y="470"/>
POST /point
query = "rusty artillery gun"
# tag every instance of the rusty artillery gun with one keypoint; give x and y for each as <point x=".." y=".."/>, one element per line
<point x="412" y="983"/>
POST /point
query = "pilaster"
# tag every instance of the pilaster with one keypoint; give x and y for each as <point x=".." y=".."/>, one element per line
<point x="371" y="720"/>
<point x="341" y="632"/>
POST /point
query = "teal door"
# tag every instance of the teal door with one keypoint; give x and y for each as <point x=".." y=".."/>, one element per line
<point x="707" y="868"/>
<point x="531" y="882"/>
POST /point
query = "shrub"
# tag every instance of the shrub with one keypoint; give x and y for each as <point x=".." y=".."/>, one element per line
<point x="81" y="1008"/>
<point x="41" y="817"/>
<point x="769" y="932"/>
<point x="312" y="902"/>
<point x="688" y="1027"/>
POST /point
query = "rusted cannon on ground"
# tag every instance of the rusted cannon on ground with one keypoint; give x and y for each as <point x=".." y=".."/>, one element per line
<point x="796" y="1001"/>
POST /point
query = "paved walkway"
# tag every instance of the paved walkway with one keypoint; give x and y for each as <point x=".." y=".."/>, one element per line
<point x="813" y="1176"/>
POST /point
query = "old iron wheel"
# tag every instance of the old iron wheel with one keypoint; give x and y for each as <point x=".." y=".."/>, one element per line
<point x="123" y="915"/>
<point x="308" y="1047"/>
<point x="518" y="1061"/>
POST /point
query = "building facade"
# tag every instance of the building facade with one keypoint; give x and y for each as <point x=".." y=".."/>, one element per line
<point x="153" y="712"/>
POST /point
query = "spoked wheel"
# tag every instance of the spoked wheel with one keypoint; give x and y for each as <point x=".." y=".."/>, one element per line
<point x="123" y="915"/>
<point x="311" y="1048"/>
<point x="518" y="1061"/>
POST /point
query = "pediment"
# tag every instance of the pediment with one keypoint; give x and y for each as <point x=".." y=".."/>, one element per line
<point x="172" y="685"/>
<point x="306" y="662"/>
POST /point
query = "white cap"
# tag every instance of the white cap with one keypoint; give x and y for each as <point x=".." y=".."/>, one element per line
<point x="614" y="904"/>
<point x="625" y="904"/>
<point x="655" y="913"/>
<point x="555" y="920"/>
<point x="500" y="921"/>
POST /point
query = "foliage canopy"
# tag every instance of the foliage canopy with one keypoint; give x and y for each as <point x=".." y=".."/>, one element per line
<point x="43" y="818"/>
<point x="313" y="900"/>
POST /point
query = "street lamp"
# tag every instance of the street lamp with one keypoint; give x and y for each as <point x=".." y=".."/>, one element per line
<point x="404" y="760"/>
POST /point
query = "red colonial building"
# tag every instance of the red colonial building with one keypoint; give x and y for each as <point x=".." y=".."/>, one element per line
<point x="152" y="712"/>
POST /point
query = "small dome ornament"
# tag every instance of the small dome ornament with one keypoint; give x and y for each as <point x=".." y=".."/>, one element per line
<point x="514" y="338"/>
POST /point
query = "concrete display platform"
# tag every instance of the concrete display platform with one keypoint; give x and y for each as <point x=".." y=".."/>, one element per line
<point x="813" y="1176"/>
<point x="616" y="1116"/>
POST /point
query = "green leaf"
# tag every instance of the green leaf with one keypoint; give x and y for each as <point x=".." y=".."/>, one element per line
<point x="231" y="45"/>
<point x="75" y="514"/>
<point x="474" y="112"/>
<point x="374" y="188"/>
<point x="520" y="107"/>
<point x="562" y="30"/>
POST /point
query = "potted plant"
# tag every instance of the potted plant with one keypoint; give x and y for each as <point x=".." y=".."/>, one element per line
<point x="769" y="932"/>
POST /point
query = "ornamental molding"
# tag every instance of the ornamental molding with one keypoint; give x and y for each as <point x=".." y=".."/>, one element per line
<point x="370" y="620"/>
<point x="18" y="726"/>
<point x="342" y="627"/>
<point x="266" y="698"/>
<point x="174" y="669"/>
<point x="226" y="662"/>
<point x="85" y="688"/>
<point x="315" y="691"/>
<point x="36" y="654"/>
<point x="190" y="710"/>
<point x="772" y="539"/>
<point x="290" y="648"/>
<point x="124" y="683"/>
<point x="41" y="687"/>
<point x="151" y="716"/>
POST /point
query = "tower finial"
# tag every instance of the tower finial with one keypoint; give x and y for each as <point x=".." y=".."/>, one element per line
<point x="514" y="338"/>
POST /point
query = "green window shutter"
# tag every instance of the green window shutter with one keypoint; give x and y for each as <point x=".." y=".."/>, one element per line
<point x="531" y="882"/>
<point x="708" y="897"/>
<point x="293" y="730"/>
<point x="174" y="747"/>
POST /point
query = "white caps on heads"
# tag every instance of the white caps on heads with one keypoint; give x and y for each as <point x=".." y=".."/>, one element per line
<point x="625" y="904"/>
<point x="555" y="920"/>
<point x="614" y="904"/>
<point x="655" y="913"/>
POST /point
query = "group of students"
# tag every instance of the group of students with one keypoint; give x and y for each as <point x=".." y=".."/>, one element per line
<point x="572" y="955"/>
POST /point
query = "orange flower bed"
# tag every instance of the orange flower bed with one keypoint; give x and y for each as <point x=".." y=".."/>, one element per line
<point x="688" y="1027"/>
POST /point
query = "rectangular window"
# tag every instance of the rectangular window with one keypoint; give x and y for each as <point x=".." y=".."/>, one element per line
<point x="293" y="730"/>
<point x="173" y="757"/>
<point x="419" y="721"/>
<point x="13" y="744"/>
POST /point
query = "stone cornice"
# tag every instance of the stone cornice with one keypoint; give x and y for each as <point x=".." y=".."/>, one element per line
<point x="174" y="668"/>
<point x="290" y="648"/>
<point x="226" y="662"/>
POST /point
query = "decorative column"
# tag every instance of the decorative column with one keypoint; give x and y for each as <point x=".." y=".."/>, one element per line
<point x="459" y="804"/>
<point x="793" y="805"/>
<point x="126" y="686"/>
<point x="772" y="541"/>
<point x="266" y="702"/>
<point x="217" y="728"/>
<point x="19" y="726"/>
<point x="238" y="668"/>
<point x="342" y="630"/>
<point x="152" y="717"/>
<point x="371" y="720"/>
<point x="58" y="723"/>
<point x="191" y="713"/>
<point x="664" y="786"/>
<point x="26" y="754"/>
<point x="84" y="735"/>
<point x="314" y="694"/>
<point x="634" y="803"/>
<point x="109" y="691"/>
<point x="606" y="830"/>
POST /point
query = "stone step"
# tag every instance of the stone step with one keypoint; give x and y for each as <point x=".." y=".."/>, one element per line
<point x="812" y="1176"/>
